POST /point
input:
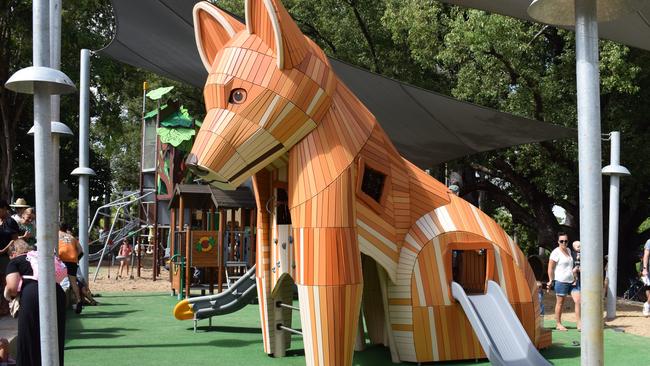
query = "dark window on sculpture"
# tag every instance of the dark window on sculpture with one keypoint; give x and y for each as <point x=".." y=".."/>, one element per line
<point x="282" y="209"/>
<point x="373" y="183"/>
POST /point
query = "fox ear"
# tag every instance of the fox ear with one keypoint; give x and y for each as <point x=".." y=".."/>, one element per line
<point x="271" y="22"/>
<point x="213" y="28"/>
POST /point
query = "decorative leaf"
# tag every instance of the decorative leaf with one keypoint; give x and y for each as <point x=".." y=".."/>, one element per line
<point x="159" y="93"/>
<point x="180" y="118"/>
<point x="175" y="136"/>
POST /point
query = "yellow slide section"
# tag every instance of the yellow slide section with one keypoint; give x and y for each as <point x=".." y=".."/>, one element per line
<point x="183" y="311"/>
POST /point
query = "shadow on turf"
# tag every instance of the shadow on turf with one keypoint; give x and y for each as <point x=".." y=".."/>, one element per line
<point x="107" y="314"/>
<point x="559" y="351"/>
<point x="229" y="343"/>
<point x="228" y="329"/>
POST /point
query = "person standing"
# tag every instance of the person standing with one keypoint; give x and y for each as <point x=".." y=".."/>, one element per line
<point x="8" y="231"/>
<point x="646" y="277"/>
<point x="561" y="278"/>
<point x="20" y="270"/>
<point x="125" y="257"/>
<point x="69" y="252"/>
<point x="19" y="207"/>
<point x="27" y="227"/>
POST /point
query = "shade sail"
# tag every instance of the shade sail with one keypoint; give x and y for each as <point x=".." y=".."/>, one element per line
<point x="632" y="29"/>
<point x="426" y="127"/>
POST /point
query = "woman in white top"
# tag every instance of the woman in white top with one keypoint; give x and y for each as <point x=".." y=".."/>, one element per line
<point x="561" y="279"/>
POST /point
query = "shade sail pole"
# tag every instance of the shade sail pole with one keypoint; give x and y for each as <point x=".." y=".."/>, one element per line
<point x="590" y="183"/>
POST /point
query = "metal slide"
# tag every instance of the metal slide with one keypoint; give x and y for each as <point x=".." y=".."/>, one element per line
<point x="497" y="327"/>
<point x="240" y="294"/>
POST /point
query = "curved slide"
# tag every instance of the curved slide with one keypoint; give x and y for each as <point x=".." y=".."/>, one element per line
<point x="233" y="299"/>
<point x="497" y="327"/>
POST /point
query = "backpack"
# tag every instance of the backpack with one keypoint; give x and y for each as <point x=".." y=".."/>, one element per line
<point x="60" y="270"/>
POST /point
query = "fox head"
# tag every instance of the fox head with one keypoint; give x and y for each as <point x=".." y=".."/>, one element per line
<point x="268" y="87"/>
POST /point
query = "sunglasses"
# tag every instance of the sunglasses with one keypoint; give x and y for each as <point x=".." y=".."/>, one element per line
<point x="563" y="241"/>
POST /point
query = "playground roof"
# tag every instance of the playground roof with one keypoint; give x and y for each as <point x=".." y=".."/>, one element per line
<point x="632" y="29"/>
<point x="200" y="196"/>
<point x="427" y="128"/>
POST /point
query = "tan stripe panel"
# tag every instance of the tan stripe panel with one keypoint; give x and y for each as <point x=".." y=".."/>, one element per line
<point x="329" y="319"/>
<point x="330" y="256"/>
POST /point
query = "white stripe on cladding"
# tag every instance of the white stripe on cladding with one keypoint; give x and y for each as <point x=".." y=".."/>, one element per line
<point x="305" y="319"/>
<point x="260" y="141"/>
<point x="302" y="255"/>
<point x="285" y="111"/>
<point x="234" y="164"/>
<point x="269" y="111"/>
<point x="444" y="284"/>
<point x="432" y="228"/>
<point x="377" y="235"/>
<point x="409" y="239"/>
<point x="314" y="101"/>
<point x="380" y="257"/>
<point x="478" y="218"/>
<point x="418" y="285"/>
<point x="445" y="219"/>
<point x="514" y="250"/>
<point x="401" y="314"/>
<point x="263" y="316"/>
<point x="223" y="119"/>
<point x="502" y="278"/>
<point x="405" y="345"/>
<point x="433" y="335"/>
<point x="307" y="127"/>
<point x="319" y="340"/>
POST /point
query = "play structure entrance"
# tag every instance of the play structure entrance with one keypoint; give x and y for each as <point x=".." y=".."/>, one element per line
<point x="212" y="237"/>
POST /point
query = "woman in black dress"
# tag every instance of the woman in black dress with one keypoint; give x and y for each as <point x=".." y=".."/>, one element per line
<point x="29" y="345"/>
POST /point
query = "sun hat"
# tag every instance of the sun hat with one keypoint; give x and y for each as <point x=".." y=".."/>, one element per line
<point x="20" y="203"/>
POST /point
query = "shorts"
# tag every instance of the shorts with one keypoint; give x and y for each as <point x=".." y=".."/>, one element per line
<point x="72" y="268"/>
<point x="564" y="288"/>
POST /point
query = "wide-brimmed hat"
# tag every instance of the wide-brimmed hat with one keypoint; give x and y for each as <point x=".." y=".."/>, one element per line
<point x="20" y="203"/>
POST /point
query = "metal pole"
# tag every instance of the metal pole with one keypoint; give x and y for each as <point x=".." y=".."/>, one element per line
<point x="84" y="179"/>
<point x="45" y="236"/>
<point x="615" y="171"/>
<point x="55" y="101"/>
<point x="589" y="157"/>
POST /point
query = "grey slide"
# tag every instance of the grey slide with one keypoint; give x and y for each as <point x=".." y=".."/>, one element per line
<point x="497" y="327"/>
<point x="240" y="294"/>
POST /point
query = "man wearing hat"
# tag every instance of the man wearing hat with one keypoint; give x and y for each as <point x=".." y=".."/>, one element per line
<point x="19" y="206"/>
<point x="8" y="231"/>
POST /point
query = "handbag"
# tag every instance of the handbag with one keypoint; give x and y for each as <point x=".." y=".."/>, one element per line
<point x="14" y="306"/>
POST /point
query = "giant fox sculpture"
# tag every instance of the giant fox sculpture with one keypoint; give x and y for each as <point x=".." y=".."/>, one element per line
<point x="340" y="213"/>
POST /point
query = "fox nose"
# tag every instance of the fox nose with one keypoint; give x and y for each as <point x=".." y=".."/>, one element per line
<point x="192" y="164"/>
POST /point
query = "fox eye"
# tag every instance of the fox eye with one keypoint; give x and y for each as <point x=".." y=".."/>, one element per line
<point x="237" y="96"/>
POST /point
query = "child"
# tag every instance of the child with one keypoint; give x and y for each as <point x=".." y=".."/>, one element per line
<point x="124" y="257"/>
<point x="576" y="264"/>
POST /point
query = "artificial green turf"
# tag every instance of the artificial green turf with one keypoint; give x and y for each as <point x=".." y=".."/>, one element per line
<point x="139" y="329"/>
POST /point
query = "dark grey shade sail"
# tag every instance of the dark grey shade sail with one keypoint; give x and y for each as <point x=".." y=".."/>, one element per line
<point x="426" y="127"/>
<point x="632" y="29"/>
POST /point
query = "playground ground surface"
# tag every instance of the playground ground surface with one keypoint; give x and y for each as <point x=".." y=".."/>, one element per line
<point x="138" y="328"/>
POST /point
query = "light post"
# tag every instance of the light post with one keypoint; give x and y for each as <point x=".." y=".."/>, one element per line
<point x="585" y="15"/>
<point x="84" y="172"/>
<point x="43" y="81"/>
<point x="615" y="171"/>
